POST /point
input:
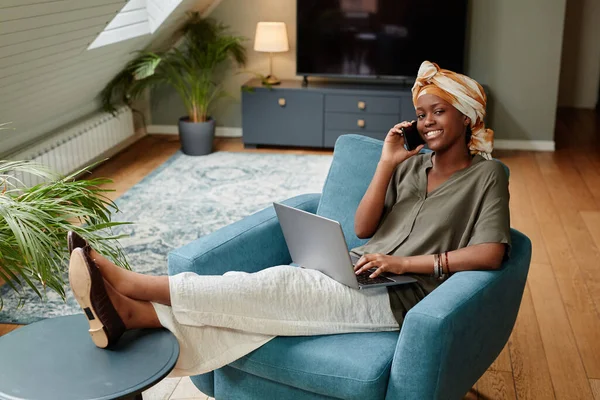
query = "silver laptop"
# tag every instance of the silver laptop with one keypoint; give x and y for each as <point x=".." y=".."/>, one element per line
<point x="318" y="243"/>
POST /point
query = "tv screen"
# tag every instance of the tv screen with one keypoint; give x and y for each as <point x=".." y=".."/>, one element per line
<point x="379" y="38"/>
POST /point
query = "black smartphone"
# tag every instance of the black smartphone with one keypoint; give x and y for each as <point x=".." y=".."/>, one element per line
<point x="412" y="138"/>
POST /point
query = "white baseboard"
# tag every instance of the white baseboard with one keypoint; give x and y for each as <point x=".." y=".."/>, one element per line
<point x="225" y="131"/>
<point x="533" y="145"/>
<point x="220" y="131"/>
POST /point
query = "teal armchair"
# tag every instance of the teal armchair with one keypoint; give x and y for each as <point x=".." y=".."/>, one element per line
<point x="446" y="343"/>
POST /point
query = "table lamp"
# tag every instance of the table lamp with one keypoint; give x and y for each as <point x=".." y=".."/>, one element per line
<point x="271" y="37"/>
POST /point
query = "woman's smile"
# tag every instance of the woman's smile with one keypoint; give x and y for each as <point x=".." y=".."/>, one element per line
<point x="433" y="134"/>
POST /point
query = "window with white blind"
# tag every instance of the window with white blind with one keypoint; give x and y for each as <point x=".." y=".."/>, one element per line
<point x="137" y="18"/>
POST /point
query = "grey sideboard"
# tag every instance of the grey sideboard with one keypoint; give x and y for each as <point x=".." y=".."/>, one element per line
<point x="315" y="116"/>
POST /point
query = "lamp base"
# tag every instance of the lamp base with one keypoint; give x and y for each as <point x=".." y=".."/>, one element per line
<point x="271" y="80"/>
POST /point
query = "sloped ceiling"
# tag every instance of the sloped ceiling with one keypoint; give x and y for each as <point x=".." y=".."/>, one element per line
<point x="48" y="78"/>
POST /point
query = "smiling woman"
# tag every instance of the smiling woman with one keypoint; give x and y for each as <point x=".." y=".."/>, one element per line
<point x="445" y="211"/>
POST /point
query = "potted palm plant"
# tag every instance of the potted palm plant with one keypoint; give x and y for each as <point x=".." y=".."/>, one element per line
<point x="190" y="69"/>
<point x="34" y="222"/>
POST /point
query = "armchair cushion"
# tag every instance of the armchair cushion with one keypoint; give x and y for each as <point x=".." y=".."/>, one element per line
<point x="348" y="366"/>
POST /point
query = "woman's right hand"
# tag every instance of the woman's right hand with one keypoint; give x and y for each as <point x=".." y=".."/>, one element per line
<point x="393" y="146"/>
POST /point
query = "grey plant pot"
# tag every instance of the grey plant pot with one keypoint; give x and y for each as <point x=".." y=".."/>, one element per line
<point x="196" y="137"/>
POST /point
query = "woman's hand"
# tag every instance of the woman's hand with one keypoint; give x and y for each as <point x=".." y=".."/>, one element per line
<point x="393" y="146"/>
<point x="383" y="263"/>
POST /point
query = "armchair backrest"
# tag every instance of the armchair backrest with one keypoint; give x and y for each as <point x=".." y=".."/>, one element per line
<point x="355" y="159"/>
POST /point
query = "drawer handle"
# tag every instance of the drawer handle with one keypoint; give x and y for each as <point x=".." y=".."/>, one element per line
<point x="361" y="123"/>
<point x="362" y="105"/>
<point x="281" y="102"/>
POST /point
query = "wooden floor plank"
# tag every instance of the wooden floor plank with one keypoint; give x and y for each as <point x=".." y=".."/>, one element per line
<point x="528" y="359"/>
<point x="583" y="162"/>
<point x="496" y="385"/>
<point x="526" y="223"/>
<point x="592" y="221"/>
<point x="541" y="206"/>
<point x="579" y="306"/>
<point x="566" y="367"/>
<point x="574" y="293"/>
<point x="521" y="208"/>
<point x="502" y="362"/>
<point x="595" y="384"/>
<point x="6" y="328"/>
<point x="561" y="165"/>
<point x="568" y="201"/>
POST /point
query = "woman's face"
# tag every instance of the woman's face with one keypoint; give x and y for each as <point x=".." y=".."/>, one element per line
<point x="439" y="123"/>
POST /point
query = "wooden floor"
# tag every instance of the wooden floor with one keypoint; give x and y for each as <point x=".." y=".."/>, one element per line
<point x="554" y="350"/>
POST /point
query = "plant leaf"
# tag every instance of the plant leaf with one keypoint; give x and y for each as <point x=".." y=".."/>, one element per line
<point x="34" y="222"/>
<point x="146" y="66"/>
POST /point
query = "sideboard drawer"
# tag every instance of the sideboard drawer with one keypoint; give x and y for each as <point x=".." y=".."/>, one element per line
<point x="282" y="117"/>
<point x="363" y="104"/>
<point x="353" y="122"/>
<point x="330" y="137"/>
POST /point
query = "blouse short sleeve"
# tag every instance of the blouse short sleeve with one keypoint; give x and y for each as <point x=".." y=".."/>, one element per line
<point x="493" y="220"/>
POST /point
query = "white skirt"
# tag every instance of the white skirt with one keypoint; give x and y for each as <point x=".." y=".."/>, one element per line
<point x="218" y="319"/>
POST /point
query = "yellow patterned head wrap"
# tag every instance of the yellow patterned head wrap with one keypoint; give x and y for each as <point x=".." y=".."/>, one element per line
<point x="465" y="94"/>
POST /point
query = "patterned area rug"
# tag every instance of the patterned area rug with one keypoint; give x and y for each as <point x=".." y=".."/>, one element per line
<point x="184" y="199"/>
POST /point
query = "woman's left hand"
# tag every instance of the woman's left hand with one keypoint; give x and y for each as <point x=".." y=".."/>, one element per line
<point x="383" y="263"/>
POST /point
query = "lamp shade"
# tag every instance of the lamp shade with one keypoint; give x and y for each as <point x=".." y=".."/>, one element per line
<point x="271" y="37"/>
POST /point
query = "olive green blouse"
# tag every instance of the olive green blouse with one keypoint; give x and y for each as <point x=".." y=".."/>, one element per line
<point x="470" y="208"/>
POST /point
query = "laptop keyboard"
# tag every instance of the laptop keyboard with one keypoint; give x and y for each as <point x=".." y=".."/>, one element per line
<point x="364" y="279"/>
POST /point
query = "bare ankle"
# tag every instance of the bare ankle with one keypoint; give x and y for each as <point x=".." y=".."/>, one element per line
<point x="135" y="314"/>
<point x="119" y="304"/>
<point x="113" y="274"/>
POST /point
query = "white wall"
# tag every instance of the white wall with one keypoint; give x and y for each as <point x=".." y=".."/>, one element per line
<point x="580" y="68"/>
<point x="514" y="47"/>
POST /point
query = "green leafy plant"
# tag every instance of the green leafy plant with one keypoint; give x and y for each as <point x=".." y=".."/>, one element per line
<point x="190" y="69"/>
<point x="34" y="222"/>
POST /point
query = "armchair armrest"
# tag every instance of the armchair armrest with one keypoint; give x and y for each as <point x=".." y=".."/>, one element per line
<point x="251" y="244"/>
<point x="450" y="338"/>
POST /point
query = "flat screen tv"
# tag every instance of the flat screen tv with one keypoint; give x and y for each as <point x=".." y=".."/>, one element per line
<point x="386" y="39"/>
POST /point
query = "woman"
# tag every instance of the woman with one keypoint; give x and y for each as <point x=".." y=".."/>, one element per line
<point x="429" y="215"/>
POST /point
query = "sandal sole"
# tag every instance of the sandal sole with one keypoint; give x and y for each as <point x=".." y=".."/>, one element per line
<point x="81" y="284"/>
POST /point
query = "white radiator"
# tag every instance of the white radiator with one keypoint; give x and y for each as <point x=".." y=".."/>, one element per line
<point x="79" y="145"/>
